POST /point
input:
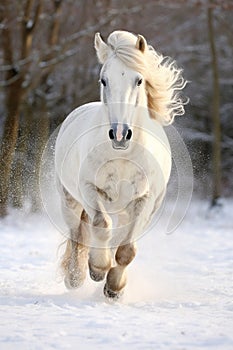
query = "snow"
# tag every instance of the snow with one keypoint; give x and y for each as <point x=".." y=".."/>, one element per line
<point x="179" y="294"/>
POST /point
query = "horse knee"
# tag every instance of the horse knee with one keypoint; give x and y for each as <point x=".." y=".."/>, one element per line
<point x="125" y="254"/>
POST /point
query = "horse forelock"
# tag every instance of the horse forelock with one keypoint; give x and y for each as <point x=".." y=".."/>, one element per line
<point x="123" y="45"/>
<point x="163" y="79"/>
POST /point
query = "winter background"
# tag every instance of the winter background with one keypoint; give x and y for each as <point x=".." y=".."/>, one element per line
<point x="179" y="294"/>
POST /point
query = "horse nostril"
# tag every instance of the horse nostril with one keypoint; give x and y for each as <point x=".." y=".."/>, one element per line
<point x="129" y="134"/>
<point x="111" y="134"/>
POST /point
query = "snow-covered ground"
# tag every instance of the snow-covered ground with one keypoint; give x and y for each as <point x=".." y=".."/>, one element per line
<point x="179" y="294"/>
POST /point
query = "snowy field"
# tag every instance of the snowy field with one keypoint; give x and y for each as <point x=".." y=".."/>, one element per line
<point x="179" y="294"/>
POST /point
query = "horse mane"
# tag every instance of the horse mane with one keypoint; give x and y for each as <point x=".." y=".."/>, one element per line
<point x="163" y="78"/>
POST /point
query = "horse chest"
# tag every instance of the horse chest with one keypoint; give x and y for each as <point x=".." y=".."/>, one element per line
<point x="121" y="181"/>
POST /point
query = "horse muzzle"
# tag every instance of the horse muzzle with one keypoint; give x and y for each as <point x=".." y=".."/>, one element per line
<point x="120" y="135"/>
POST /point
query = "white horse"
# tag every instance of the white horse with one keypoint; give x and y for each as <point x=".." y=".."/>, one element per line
<point x="113" y="159"/>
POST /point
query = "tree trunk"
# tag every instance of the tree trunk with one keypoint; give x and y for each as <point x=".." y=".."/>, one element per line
<point x="216" y="147"/>
<point x="14" y="94"/>
<point x="10" y="132"/>
<point x="9" y="139"/>
<point x="42" y="132"/>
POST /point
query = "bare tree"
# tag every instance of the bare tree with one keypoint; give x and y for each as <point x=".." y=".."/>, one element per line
<point x="15" y="91"/>
<point x="216" y="144"/>
<point x="42" y="119"/>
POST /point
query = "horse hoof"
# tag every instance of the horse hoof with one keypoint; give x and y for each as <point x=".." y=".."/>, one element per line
<point x="111" y="294"/>
<point x="97" y="275"/>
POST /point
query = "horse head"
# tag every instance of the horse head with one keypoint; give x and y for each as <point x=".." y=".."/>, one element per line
<point x="122" y="87"/>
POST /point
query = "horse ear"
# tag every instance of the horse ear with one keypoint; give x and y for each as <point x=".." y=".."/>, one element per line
<point x="101" y="48"/>
<point x="141" y="43"/>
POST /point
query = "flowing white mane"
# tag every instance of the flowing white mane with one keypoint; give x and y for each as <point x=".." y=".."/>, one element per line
<point x="164" y="80"/>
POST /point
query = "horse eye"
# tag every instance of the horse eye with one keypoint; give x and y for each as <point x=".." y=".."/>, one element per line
<point x="103" y="82"/>
<point x="139" y="82"/>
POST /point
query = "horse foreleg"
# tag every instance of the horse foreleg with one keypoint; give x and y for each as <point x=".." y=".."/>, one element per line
<point x="100" y="257"/>
<point x="139" y="212"/>
<point x="116" y="278"/>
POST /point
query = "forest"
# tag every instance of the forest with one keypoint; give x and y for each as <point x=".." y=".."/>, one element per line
<point x="48" y="67"/>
